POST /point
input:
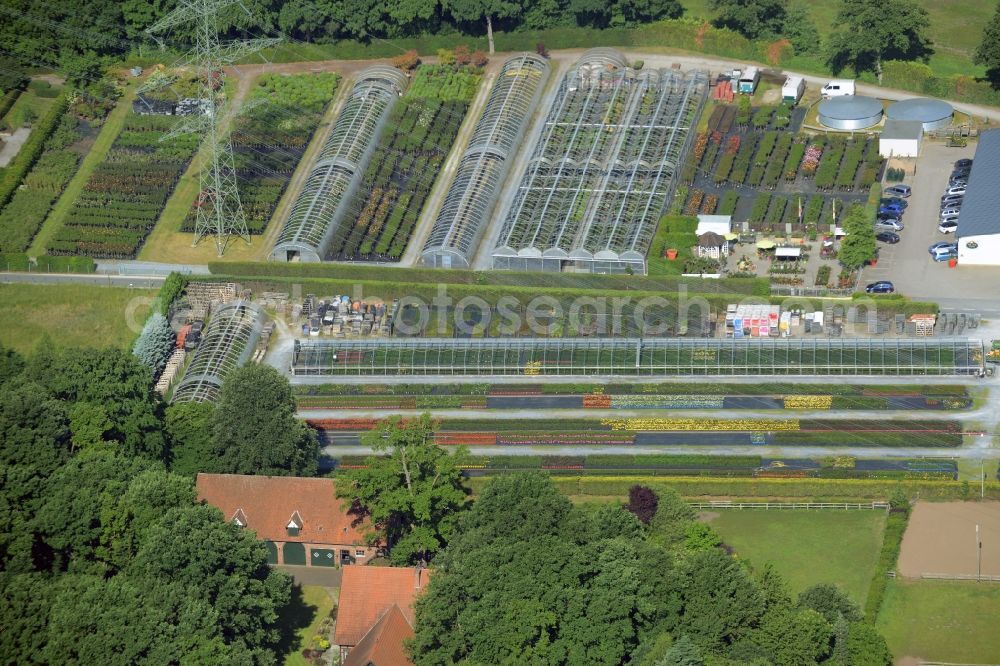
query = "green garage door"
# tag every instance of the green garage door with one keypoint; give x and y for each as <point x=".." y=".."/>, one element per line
<point x="272" y="552"/>
<point x="294" y="553"/>
<point x="323" y="557"/>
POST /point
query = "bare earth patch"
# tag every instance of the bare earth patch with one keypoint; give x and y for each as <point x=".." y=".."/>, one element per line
<point x="941" y="539"/>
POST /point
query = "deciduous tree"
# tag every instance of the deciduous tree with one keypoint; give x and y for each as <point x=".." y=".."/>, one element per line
<point x="988" y="52"/>
<point x="858" y="246"/>
<point x="872" y="33"/>
<point x="754" y="19"/>
<point x="254" y="429"/>
<point x="411" y="494"/>
<point x="642" y="501"/>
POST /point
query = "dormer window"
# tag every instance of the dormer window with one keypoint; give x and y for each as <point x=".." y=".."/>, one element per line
<point x="239" y="518"/>
<point x="294" y="525"/>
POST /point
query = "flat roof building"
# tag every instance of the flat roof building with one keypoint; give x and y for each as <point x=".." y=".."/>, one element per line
<point x="978" y="231"/>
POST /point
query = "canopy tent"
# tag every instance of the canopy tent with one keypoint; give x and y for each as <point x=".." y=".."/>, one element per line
<point x="788" y="252"/>
<point x="765" y="244"/>
<point x="730" y="236"/>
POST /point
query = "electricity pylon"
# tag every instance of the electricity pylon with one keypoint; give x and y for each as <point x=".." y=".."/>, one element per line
<point x="218" y="210"/>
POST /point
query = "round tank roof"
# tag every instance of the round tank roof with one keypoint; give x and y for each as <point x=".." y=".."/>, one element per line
<point x="850" y="112"/>
<point x="933" y="113"/>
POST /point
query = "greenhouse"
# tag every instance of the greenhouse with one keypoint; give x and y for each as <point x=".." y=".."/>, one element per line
<point x="602" y="169"/>
<point x="227" y="343"/>
<point x="339" y="167"/>
<point x="638" y="356"/>
<point x="473" y="192"/>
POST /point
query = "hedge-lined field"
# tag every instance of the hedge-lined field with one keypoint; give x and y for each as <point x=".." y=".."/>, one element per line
<point x="846" y="542"/>
<point x="123" y="199"/>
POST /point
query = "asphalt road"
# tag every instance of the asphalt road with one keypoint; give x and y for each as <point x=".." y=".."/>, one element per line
<point x="131" y="281"/>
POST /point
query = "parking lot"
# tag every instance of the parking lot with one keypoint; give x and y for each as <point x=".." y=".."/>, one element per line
<point x="908" y="265"/>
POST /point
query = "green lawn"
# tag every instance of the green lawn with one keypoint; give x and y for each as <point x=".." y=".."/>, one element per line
<point x="29" y="100"/>
<point x="808" y="547"/>
<point x="304" y="616"/>
<point x="70" y="314"/>
<point x="948" y="621"/>
<point x="956" y="28"/>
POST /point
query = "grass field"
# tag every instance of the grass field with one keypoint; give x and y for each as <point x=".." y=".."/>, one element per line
<point x="948" y="621"/>
<point x="305" y="617"/>
<point x="29" y="99"/>
<point x="808" y="547"/>
<point x="956" y="28"/>
<point x="71" y="315"/>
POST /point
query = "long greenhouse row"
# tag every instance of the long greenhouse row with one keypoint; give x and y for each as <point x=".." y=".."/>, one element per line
<point x="227" y="343"/>
<point x="638" y="356"/>
<point x="310" y="226"/>
<point x="602" y="169"/>
<point x="473" y="192"/>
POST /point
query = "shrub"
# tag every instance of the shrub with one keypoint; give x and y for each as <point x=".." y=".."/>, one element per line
<point x="642" y="501"/>
<point x="172" y="287"/>
<point x="407" y="61"/>
<point x="638" y="64"/>
<point x="155" y="343"/>
<point x="446" y="56"/>
<point x="541" y="50"/>
<point x="895" y="526"/>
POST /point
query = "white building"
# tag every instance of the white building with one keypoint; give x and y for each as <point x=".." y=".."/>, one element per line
<point x="978" y="233"/>
<point x="900" y="138"/>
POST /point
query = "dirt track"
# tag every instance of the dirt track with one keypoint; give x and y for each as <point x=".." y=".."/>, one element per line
<point x="941" y="539"/>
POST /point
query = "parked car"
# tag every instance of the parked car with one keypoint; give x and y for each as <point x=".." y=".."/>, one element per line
<point x="891" y="224"/>
<point x="880" y="287"/>
<point x="943" y="251"/>
<point x="889" y="201"/>
<point x="963" y="164"/>
<point x="948" y="227"/>
<point x="959" y="189"/>
<point x="890" y="208"/>
<point x="952" y="200"/>
<point x="898" y="191"/>
<point x="951" y="210"/>
<point x="887" y="237"/>
<point x="948" y="218"/>
<point x="896" y="217"/>
<point x="958" y="180"/>
<point x="940" y="244"/>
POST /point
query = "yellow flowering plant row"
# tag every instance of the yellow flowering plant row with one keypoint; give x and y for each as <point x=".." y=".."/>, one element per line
<point x="808" y="401"/>
<point x="664" y="424"/>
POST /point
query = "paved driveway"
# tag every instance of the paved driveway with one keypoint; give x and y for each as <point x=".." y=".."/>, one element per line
<point x="908" y="264"/>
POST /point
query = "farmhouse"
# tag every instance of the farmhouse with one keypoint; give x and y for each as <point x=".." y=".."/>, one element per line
<point x="300" y="520"/>
<point x="375" y="614"/>
<point x="978" y="232"/>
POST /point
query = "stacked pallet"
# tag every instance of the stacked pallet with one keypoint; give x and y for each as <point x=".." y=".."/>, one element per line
<point x="174" y="364"/>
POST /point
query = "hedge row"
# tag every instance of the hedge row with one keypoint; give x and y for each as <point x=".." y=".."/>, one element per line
<point x="892" y="539"/>
<point x="920" y="78"/>
<point x="837" y="490"/>
<point x="431" y="276"/>
<point x="32" y="149"/>
<point x="8" y="100"/>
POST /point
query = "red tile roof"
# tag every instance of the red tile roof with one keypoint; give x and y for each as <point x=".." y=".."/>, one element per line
<point x="383" y="644"/>
<point x="268" y="504"/>
<point x="367" y="593"/>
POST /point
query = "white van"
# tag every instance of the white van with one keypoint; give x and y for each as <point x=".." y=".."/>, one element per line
<point x="838" y="88"/>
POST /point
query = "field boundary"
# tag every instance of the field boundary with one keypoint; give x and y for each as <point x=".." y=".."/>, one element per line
<point x="973" y="577"/>
<point x="884" y="506"/>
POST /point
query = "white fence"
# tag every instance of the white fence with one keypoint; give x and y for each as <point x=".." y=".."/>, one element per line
<point x="768" y="506"/>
